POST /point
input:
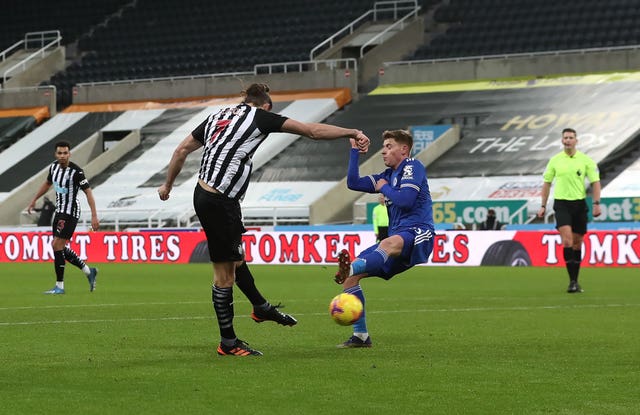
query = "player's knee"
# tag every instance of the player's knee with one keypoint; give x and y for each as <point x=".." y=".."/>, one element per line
<point x="58" y="244"/>
<point x="392" y="245"/>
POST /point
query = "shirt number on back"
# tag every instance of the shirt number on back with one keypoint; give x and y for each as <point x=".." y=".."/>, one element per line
<point x="220" y="126"/>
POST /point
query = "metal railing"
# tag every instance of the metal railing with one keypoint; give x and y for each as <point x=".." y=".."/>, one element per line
<point x="182" y="216"/>
<point x="520" y="215"/>
<point x="306" y="66"/>
<point x="166" y="78"/>
<point x="413" y="13"/>
<point x="379" y="8"/>
<point x="259" y="69"/>
<point x="43" y="41"/>
<point x="151" y="218"/>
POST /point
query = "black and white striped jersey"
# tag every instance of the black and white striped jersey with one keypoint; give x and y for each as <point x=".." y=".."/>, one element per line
<point x="67" y="183"/>
<point x="230" y="138"/>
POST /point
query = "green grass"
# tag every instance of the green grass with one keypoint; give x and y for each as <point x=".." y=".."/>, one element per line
<point x="446" y="341"/>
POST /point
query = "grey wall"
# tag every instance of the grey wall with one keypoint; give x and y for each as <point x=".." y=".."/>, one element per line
<point x="26" y="97"/>
<point x="512" y="66"/>
<point x="39" y="69"/>
<point x="212" y="86"/>
<point x="401" y="44"/>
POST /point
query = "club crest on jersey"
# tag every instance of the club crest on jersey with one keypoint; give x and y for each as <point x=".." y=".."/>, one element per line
<point x="407" y="172"/>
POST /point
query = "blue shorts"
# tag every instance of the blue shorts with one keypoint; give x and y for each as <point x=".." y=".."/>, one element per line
<point x="418" y="245"/>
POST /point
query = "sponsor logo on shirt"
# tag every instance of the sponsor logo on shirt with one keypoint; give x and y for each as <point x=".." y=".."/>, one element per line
<point x="407" y="173"/>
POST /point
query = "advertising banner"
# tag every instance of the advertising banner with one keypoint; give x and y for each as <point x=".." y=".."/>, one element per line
<point x="475" y="211"/>
<point x="619" y="209"/>
<point x="451" y="248"/>
<point x="423" y="135"/>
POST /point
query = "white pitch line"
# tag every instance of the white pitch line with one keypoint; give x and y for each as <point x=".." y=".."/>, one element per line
<point x="104" y="305"/>
<point x="440" y="310"/>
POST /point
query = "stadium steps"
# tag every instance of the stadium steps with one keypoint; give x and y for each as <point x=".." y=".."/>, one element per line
<point x="40" y="157"/>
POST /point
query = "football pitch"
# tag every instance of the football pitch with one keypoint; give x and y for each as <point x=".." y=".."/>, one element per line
<point x="445" y="341"/>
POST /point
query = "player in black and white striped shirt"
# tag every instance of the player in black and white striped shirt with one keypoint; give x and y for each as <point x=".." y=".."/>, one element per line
<point x="68" y="179"/>
<point x="230" y="137"/>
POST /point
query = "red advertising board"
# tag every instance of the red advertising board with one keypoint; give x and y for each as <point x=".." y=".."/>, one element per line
<point x="459" y="248"/>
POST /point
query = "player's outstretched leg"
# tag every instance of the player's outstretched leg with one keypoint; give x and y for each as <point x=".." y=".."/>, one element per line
<point x="73" y="258"/>
<point x="270" y="312"/>
<point x="262" y="309"/>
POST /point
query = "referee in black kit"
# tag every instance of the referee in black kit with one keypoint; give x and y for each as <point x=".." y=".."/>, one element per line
<point x="230" y="137"/>
<point x="67" y="178"/>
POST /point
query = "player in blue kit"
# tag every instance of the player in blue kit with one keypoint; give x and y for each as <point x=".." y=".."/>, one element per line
<point x="411" y="231"/>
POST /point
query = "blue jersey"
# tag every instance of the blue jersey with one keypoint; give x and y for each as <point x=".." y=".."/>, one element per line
<point x="407" y="193"/>
<point x="406" y="212"/>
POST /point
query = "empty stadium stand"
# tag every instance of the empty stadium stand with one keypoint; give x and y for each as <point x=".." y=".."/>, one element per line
<point x="72" y="17"/>
<point x="493" y="27"/>
<point x="154" y="39"/>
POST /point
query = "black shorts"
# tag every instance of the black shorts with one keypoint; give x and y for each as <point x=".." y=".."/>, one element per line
<point x="573" y="213"/>
<point x="64" y="226"/>
<point x="221" y="220"/>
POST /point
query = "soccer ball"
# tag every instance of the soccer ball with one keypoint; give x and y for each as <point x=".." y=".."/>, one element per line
<point x="345" y="309"/>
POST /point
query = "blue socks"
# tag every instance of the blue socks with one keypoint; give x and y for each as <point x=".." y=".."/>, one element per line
<point x="370" y="263"/>
<point x="360" y="326"/>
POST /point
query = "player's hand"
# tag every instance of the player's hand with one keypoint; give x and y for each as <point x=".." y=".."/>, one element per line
<point x="597" y="211"/>
<point x="380" y="183"/>
<point x="163" y="191"/>
<point x="362" y="142"/>
<point x="95" y="223"/>
<point x="31" y="206"/>
<point x="541" y="212"/>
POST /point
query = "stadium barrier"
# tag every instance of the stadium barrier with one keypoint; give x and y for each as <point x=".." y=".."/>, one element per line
<point x="451" y="248"/>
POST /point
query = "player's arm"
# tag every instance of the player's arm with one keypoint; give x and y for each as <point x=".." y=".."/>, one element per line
<point x="405" y="196"/>
<point x="318" y="131"/>
<point x="594" y="177"/>
<point x="186" y="147"/>
<point x="544" y="196"/>
<point x="354" y="181"/>
<point x="547" y="178"/>
<point x="596" y="187"/>
<point x="95" y="222"/>
<point x="41" y="191"/>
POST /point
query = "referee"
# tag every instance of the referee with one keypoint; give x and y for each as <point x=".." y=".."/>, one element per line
<point x="380" y="218"/>
<point x="230" y="137"/>
<point x="569" y="168"/>
<point x="67" y="178"/>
